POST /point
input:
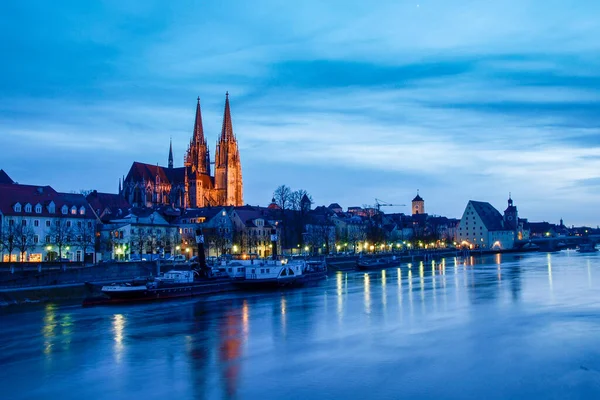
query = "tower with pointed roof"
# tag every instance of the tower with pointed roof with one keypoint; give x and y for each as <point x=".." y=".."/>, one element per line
<point x="171" y="153"/>
<point x="418" y="205"/>
<point x="511" y="215"/>
<point x="228" y="167"/>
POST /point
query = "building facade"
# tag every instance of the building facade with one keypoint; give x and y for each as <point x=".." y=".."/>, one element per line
<point x="193" y="185"/>
<point x="482" y="226"/>
<point x="37" y="224"/>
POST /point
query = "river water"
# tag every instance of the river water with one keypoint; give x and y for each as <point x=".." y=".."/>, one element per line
<point x="498" y="327"/>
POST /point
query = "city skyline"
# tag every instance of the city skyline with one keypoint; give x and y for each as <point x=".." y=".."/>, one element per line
<point x="351" y="103"/>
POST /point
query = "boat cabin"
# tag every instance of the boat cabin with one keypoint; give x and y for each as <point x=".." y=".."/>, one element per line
<point x="177" y="277"/>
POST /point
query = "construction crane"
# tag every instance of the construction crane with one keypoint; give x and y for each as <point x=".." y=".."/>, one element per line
<point x="381" y="203"/>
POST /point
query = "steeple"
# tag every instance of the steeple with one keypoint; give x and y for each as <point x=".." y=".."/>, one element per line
<point x="197" y="151"/>
<point x="198" y="130"/>
<point x="227" y="130"/>
<point x="171" y="153"/>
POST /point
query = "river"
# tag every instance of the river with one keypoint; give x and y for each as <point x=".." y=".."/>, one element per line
<point x="498" y="327"/>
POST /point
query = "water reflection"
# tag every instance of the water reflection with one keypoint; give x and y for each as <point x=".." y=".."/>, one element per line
<point x="230" y="348"/>
<point x="340" y="300"/>
<point x="367" y="294"/>
<point x="48" y="330"/>
<point x="118" y="326"/>
<point x="549" y="258"/>
<point x="383" y="291"/>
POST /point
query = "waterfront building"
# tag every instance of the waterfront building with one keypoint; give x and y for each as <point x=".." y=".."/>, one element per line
<point x="193" y="185"/>
<point x="37" y="223"/>
<point x="142" y="233"/>
<point x="482" y="226"/>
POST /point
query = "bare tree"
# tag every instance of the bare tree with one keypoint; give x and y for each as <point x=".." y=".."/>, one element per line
<point x="283" y="197"/>
<point x="8" y="237"/>
<point x="24" y="237"/>
<point x="137" y="240"/>
<point x="60" y="234"/>
<point x="296" y="199"/>
<point x="84" y="236"/>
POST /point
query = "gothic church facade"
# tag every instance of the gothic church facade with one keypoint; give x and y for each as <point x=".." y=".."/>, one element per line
<point x="193" y="185"/>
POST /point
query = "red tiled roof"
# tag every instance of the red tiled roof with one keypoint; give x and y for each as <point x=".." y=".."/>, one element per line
<point x="102" y="201"/>
<point x="148" y="172"/>
<point x="11" y="194"/>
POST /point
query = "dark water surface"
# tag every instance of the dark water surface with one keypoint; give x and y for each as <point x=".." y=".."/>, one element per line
<point x="495" y="328"/>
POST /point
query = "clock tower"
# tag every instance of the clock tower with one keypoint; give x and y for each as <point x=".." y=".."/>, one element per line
<point x="511" y="216"/>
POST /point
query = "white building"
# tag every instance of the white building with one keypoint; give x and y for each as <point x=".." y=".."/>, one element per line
<point x="38" y="224"/>
<point x="141" y="234"/>
<point x="482" y="226"/>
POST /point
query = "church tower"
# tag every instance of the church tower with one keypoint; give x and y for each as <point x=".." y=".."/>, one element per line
<point x="228" y="167"/>
<point x="418" y="205"/>
<point x="511" y="215"/>
<point x="197" y="163"/>
<point x="196" y="157"/>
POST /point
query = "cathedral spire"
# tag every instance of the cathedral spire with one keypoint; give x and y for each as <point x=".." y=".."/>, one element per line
<point x="171" y="153"/>
<point x="227" y="130"/>
<point x="198" y="130"/>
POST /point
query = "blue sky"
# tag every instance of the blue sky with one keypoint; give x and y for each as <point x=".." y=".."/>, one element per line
<point x="350" y="100"/>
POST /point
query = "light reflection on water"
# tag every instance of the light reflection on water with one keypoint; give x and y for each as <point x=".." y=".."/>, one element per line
<point x="250" y="345"/>
<point x="118" y="325"/>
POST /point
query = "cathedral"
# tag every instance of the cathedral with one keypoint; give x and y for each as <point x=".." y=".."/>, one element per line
<point x="193" y="185"/>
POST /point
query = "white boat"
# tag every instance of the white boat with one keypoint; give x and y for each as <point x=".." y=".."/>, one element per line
<point x="273" y="273"/>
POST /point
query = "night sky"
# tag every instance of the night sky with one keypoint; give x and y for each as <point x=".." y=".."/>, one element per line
<point x="350" y="100"/>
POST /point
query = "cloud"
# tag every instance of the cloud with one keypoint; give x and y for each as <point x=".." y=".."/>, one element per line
<point x="352" y="101"/>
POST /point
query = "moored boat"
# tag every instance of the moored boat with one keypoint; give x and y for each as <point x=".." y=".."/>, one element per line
<point x="172" y="284"/>
<point x="276" y="273"/>
<point x="378" y="263"/>
<point x="587" y="248"/>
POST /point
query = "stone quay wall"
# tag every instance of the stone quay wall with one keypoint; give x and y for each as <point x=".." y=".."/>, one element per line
<point x="22" y="275"/>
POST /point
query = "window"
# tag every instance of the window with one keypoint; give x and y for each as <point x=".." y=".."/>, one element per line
<point x="47" y="238"/>
<point x="17" y="207"/>
<point x="64" y="210"/>
<point x="51" y="208"/>
<point x="268" y="270"/>
<point x="262" y="271"/>
<point x="36" y="239"/>
<point x="79" y="224"/>
<point x="11" y="222"/>
<point x="36" y="222"/>
<point x="28" y="207"/>
<point x="68" y="224"/>
<point x="57" y="222"/>
<point x="24" y="222"/>
<point x="38" y="209"/>
<point x="89" y="225"/>
<point x="74" y="210"/>
<point x="48" y="224"/>
<point x="82" y="210"/>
